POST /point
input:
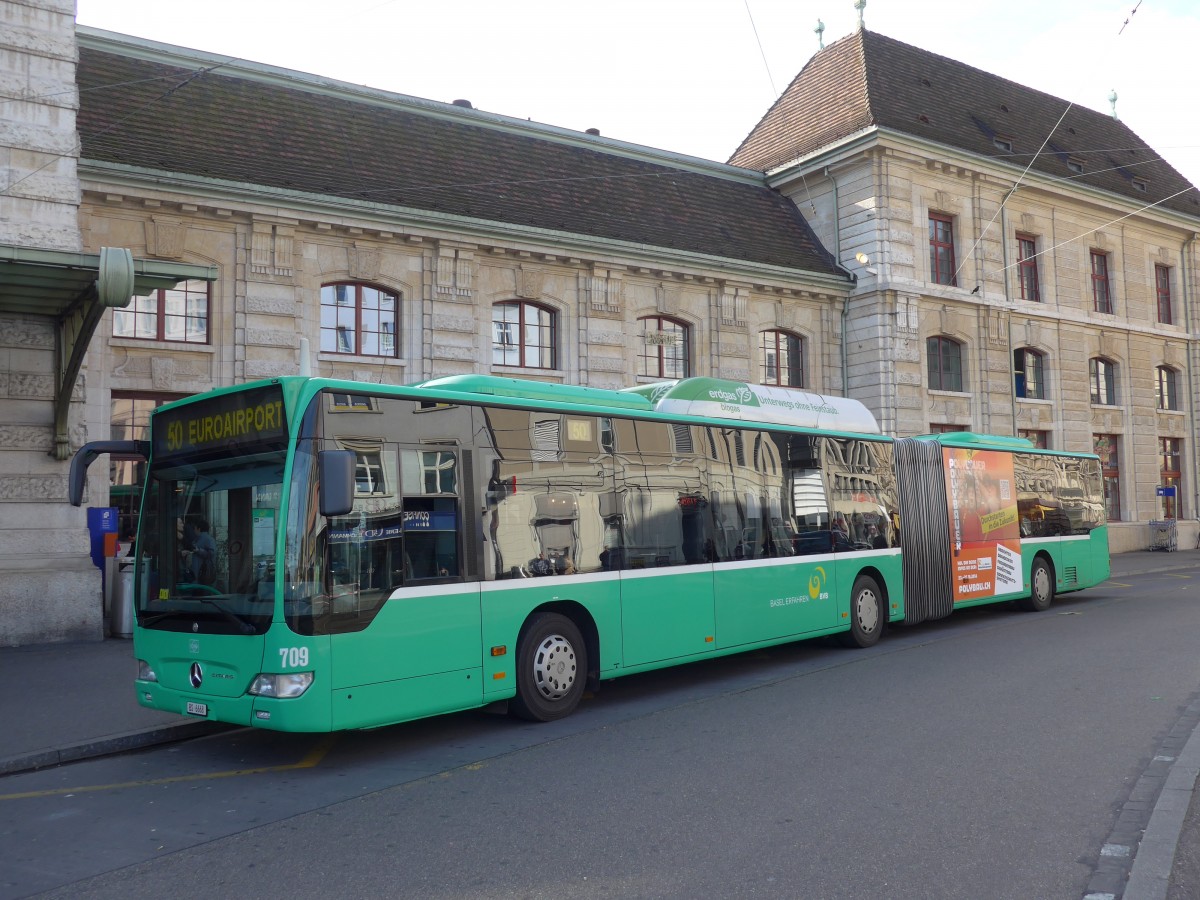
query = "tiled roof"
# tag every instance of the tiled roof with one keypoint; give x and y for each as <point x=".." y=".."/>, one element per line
<point x="304" y="136"/>
<point x="869" y="80"/>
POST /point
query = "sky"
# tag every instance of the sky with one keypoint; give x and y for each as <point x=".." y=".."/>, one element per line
<point x="692" y="76"/>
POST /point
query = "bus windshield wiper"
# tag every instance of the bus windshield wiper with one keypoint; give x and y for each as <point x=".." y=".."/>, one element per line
<point x="244" y="625"/>
<point x="158" y="617"/>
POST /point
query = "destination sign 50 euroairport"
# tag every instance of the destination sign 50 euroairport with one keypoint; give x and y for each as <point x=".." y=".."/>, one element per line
<point x="237" y="420"/>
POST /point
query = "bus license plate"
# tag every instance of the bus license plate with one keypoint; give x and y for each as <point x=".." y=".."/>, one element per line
<point x="197" y="709"/>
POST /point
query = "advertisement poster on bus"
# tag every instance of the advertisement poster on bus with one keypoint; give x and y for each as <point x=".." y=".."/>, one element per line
<point x="985" y="532"/>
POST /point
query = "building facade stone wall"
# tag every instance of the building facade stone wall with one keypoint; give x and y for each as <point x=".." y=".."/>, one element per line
<point x="877" y="202"/>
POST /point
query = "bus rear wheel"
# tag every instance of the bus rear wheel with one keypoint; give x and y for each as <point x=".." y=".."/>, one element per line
<point x="551" y="668"/>
<point x="866" y="614"/>
<point x="1041" y="587"/>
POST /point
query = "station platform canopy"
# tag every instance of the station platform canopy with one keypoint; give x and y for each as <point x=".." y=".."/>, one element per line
<point x="74" y="289"/>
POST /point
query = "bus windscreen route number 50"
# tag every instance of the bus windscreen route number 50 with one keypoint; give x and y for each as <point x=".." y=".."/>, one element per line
<point x="315" y="555"/>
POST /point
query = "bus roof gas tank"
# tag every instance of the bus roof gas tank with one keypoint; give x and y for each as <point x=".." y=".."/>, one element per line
<point x="716" y="398"/>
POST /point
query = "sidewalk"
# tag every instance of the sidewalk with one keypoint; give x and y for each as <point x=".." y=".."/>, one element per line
<point x="71" y="701"/>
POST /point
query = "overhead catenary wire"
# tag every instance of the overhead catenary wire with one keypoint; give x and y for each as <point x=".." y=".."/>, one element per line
<point x="33" y="98"/>
<point x="1011" y="191"/>
<point x="1008" y="195"/>
<point x="761" y="51"/>
<point x="1080" y="237"/>
<point x="1132" y="13"/>
<point x="409" y="189"/>
<point x="78" y="146"/>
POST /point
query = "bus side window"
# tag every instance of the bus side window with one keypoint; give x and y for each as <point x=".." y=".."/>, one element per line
<point x="430" y="538"/>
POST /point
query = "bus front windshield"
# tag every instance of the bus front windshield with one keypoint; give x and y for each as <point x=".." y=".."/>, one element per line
<point x="206" y="545"/>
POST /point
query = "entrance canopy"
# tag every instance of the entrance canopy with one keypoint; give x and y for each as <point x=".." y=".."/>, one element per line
<point x="75" y="289"/>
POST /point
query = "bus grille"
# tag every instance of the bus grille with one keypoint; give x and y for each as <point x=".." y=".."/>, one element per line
<point x="1070" y="575"/>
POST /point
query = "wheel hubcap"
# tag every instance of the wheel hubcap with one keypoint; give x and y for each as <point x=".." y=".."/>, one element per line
<point x="867" y="611"/>
<point x="1041" y="584"/>
<point x="554" y="667"/>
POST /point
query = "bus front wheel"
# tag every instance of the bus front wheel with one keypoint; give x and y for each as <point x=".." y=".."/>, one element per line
<point x="1041" y="587"/>
<point x="866" y="614"/>
<point x="551" y="668"/>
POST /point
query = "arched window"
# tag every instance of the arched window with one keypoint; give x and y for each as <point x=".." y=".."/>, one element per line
<point x="945" y="364"/>
<point x="1103" y="376"/>
<point x="1029" y="374"/>
<point x="524" y="334"/>
<point x="1168" y="388"/>
<point x="359" y="319"/>
<point x="665" y="348"/>
<point x="782" y="359"/>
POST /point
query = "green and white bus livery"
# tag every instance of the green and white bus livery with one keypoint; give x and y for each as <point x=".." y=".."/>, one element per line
<point x="385" y="553"/>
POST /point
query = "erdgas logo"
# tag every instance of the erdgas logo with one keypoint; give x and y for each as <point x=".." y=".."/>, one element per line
<point x="741" y="395"/>
<point x="660" y="391"/>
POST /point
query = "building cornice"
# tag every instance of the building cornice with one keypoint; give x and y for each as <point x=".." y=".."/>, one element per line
<point x="254" y="199"/>
<point x="875" y="138"/>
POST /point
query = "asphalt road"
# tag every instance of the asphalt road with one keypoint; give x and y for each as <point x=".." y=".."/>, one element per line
<point x="988" y="755"/>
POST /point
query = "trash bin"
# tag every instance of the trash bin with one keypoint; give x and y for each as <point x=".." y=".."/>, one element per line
<point x="1162" y="535"/>
<point x="120" y="611"/>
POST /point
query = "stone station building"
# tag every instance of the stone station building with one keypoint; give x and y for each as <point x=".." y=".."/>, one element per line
<point x="875" y="235"/>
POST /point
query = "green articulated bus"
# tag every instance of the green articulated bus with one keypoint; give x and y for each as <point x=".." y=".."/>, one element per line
<point x="315" y="555"/>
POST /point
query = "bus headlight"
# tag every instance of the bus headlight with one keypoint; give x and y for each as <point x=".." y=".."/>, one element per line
<point x="145" y="673"/>
<point x="281" y="687"/>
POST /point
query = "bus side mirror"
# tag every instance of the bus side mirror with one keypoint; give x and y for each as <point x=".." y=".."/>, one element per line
<point x="87" y="454"/>
<point x="336" y="487"/>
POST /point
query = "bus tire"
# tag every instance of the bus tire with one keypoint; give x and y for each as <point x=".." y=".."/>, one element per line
<point x="866" y="614"/>
<point x="551" y="668"/>
<point x="1041" y="587"/>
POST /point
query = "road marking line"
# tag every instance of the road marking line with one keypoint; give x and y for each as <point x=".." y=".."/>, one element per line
<point x="1119" y="583"/>
<point x="1173" y="575"/>
<point x="310" y="760"/>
